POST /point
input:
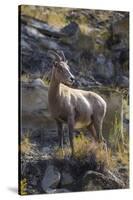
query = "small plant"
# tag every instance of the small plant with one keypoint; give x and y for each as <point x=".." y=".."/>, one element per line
<point x="83" y="146"/>
<point x="25" y="146"/>
<point x="23" y="186"/>
<point x="61" y="153"/>
<point x="123" y="154"/>
<point x="116" y="134"/>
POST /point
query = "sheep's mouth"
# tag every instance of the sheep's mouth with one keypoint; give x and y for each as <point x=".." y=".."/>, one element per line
<point x="69" y="83"/>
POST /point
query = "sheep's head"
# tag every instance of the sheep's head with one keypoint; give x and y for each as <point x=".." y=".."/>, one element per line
<point x="61" y="69"/>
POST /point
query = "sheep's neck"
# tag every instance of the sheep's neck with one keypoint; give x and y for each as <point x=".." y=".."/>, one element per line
<point x="54" y="90"/>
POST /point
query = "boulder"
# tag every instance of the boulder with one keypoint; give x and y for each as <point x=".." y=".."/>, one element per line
<point x="42" y="27"/>
<point x="103" y="68"/>
<point x="71" y="32"/>
<point x="66" y="179"/>
<point x="60" y="190"/>
<point x="51" y="178"/>
<point x="122" y="81"/>
<point x="93" y="180"/>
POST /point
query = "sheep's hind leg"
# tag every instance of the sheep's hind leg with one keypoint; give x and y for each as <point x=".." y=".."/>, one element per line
<point x="70" y="126"/>
<point x="92" y="130"/>
<point x="60" y="134"/>
<point x="98" y="127"/>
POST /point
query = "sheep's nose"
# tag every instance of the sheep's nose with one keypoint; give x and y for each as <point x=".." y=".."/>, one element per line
<point x="72" y="78"/>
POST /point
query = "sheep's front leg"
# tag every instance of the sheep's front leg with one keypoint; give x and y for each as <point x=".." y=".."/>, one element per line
<point x="71" y="127"/>
<point x="60" y="133"/>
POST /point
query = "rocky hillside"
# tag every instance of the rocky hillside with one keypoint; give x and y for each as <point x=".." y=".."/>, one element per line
<point x="94" y="42"/>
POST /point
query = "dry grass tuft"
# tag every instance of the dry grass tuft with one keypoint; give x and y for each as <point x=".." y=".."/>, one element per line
<point x="23" y="186"/>
<point x="61" y="154"/>
<point x="25" y="146"/>
<point x="50" y="15"/>
<point x="123" y="154"/>
<point x="106" y="157"/>
<point x="83" y="146"/>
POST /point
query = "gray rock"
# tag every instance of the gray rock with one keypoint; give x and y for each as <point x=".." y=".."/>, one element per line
<point x="60" y="190"/>
<point x="72" y="31"/>
<point x="66" y="179"/>
<point x="37" y="83"/>
<point x="93" y="180"/>
<point x="42" y="27"/>
<point x="51" y="178"/>
<point x="104" y="67"/>
<point x="84" y="82"/>
<point x="122" y="81"/>
<point x="123" y="170"/>
<point x="112" y="177"/>
<point x="101" y="59"/>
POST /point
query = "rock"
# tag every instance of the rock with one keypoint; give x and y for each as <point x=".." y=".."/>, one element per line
<point x="72" y="31"/>
<point x="84" y="82"/>
<point x="123" y="170"/>
<point x="51" y="178"/>
<point x="122" y="81"/>
<point x="103" y="68"/>
<point x="61" y="190"/>
<point x="37" y="37"/>
<point x="93" y="180"/>
<point x="35" y="112"/>
<point x="37" y="83"/>
<point x="126" y="125"/>
<point x="66" y="179"/>
<point x="42" y="27"/>
<point x="114" y="178"/>
<point x="101" y="59"/>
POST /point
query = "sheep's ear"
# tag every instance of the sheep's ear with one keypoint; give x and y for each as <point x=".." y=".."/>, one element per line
<point x="66" y="61"/>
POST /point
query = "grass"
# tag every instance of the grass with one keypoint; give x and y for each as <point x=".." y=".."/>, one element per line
<point x="24" y="78"/>
<point x="26" y="145"/>
<point x="61" y="154"/>
<point x="52" y="16"/>
<point x="106" y="157"/>
<point x="23" y="186"/>
<point x="116" y="134"/>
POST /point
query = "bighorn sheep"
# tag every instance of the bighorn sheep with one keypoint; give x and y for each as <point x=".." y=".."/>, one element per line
<point x="77" y="108"/>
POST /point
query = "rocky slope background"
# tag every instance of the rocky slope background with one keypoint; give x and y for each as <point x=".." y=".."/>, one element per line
<point x="96" y="45"/>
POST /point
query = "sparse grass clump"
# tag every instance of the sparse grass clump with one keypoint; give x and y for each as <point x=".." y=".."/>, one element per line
<point x="23" y="186"/>
<point x="50" y="15"/>
<point x="25" y="146"/>
<point x="122" y="154"/>
<point x="61" y="154"/>
<point x="85" y="147"/>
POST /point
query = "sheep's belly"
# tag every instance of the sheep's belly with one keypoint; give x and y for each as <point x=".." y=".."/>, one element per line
<point x="79" y="125"/>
